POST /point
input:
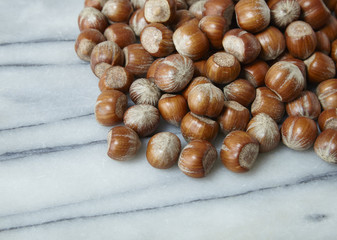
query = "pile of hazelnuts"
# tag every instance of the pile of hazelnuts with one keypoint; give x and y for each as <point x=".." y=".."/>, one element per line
<point x="207" y="66"/>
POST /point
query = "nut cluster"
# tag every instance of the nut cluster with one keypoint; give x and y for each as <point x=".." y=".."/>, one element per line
<point x="253" y="72"/>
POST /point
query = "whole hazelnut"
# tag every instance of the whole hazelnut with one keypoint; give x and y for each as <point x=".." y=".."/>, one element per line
<point x="116" y="77"/>
<point x="320" y="67"/>
<point x="326" y="146"/>
<point x="123" y="143"/>
<point x="306" y="105"/>
<point x="214" y="27"/>
<point x="314" y="12"/>
<point x="240" y="91"/>
<point x="163" y="150"/>
<point x="328" y="119"/>
<point x="197" y="127"/>
<point x="142" y="118"/>
<point x="206" y="99"/>
<point x="120" y="33"/>
<point x="255" y="72"/>
<point x="86" y="41"/>
<point x="90" y="17"/>
<point x="172" y="108"/>
<point x="239" y="151"/>
<point x="160" y="11"/>
<point x="197" y="158"/>
<point x="284" y="12"/>
<point x="265" y="130"/>
<point x="110" y="107"/>
<point x="137" y="21"/>
<point x="326" y="92"/>
<point x="144" y="91"/>
<point x="117" y="10"/>
<point x="298" y="133"/>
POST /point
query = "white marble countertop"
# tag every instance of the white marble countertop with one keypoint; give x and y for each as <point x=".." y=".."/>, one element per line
<point x="56" y="181"/>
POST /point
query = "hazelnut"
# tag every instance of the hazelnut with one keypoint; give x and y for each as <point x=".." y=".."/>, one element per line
<point x="306" y="105"/>
<point x="267" y="102"/>
<point x="255" y="72"/>
<point x="174" y="73"/>
<point x="242" y="44"/>
<point x="152" y="69"/>
<point x="298" y="133"/>
<point x="239" y="151"/>
<point x="330" y="29"/>
<point x="300" y="39"/>
<point x="137" y="59"/>
<point x="98" y="4"/>
<point x="197" y="127"/>
<point x="326" y="146"/>
<point x="116" y="77"/>
<point x="90" y="17"/>
<point x="314" y="12"/>
<point x="142" y="118"/>
<point x="105" y="52"/>
<point x="163" y="150"/>
<point x="284" y="12"/>
<point x="323" y="43"/>
<point x="214" y="27"/>
<point x="233" y="117"/>
<point x="101" y="68"/>
<point x="330" y="4"/>
<point x="181" y="5"/>
<point x="172" y="108"/>
<point x="138" y="3"/>
<point x="137" y="21"/>
<point x="272" y="43"/>
<point x="195" y="81"/>
<point x="222" y="8"/>
<point x="197" y="8"/>
<point x="190" y="41"/>
<point x="197" y="158"/>
<point x="157" y="40"/>
<point x="200" y="68"/>
<point x="206" y="99"/>
<point x="182" y="17"/>
<point x="299" y="63"/>
<point x="240" y="91"/>
<point x="144" y="91"/>
<point x="160" y="11"/>
<point x="285" y="80"/>
<point x="110" y="107"/>
<point x="120" y="33"/>
<point x="334" y="51"/>
<point x="326" y="92"/>
<point x="222" y="67"/>
<point x="328" y="119"/>
<point x="123" y="143"/>
<point x="86" y="42"/>
<point x="117" y="10"/>
<point x="265" y="130"/>
<point x="252" y="15"/>
<point x="320" y="67"/>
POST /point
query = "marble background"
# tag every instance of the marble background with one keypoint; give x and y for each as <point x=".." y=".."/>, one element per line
<point x="56" y="181"/>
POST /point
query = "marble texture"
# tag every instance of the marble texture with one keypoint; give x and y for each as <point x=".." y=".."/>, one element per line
<point x="56" y="181"/>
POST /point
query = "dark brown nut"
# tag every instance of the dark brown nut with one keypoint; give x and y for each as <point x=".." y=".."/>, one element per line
<point x="137" y="21"/>
<point x="326" y="92"/>
<point x="323" y="43"/>
<point x="314" y="12"/>
<point x="206" y="100"/>
<point x="300" y="39"/>
<point x="174" y="73"/>
<point x="242" y="44"/>
<point x="265" y="130"/>
<point x="267" y="102"/>
<point x="172" y="108"/>
<point x="328" y="119"/>
<point x="160" y="11"/>
<point x="86" y="41"/>
<point x="320" y="67"/>
<point x="117" y="78"/>
<point x="285" y="80"/>
<point x="284" y="12"/>
<point x="163" y="150"/>
<point x="222" y="67"/>
<point x="98" y="4"/>
<point x="272" y="43"/>
<point x="330" y="4"/>
<point x="144" y="91"/>
<point x="240" y="91"/>
<point x="197" y="158"/>
<point x="298" y="133"/>
<point x="105" y="52"/>
<point x="334" y="51"/>
<point x="239" y="151"/>
<point x="123" y="143"/>
<point x="222" y="8"/>
<point x="214" y="27"/>
<point x="197" y="127"/>
<point x="233" y="117"/>
<point x="255" y="72"/>
<point x="137" y="59"/>
<point x="330" y="29"/>
<point x="117" y="10"/>
<point x="181" y="4"/>
<point x="142" y="118"/>
<point x="196" y="81"/>
<point x="92" y="18"/>
<point x="252" y="15"/>
<point x="110" y="107"/>
<point x="326" y="146"/>
<point x="306" y="105"/>
<point x="120" y="33"/>
<point x="157" y="40"/>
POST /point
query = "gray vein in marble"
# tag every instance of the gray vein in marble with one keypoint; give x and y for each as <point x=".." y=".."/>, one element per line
<point x="306" y="180"/>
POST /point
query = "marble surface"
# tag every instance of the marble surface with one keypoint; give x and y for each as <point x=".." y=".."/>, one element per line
<point x="56" y="181"/>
